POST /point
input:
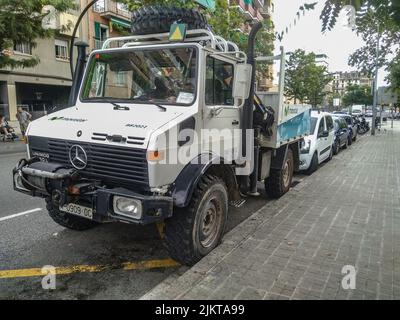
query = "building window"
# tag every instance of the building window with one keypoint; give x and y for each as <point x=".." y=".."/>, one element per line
<point x="61" y="47"/>
<point x="24" y="48"/>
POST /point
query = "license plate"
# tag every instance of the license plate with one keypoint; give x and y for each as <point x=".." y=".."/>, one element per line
<point x="78" y="210"/>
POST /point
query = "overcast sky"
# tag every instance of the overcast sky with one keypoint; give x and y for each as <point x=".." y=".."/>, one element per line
<point x="337" y="44"/>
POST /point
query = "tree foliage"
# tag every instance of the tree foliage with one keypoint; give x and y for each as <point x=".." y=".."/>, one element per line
<point x="332" y="8"/>
<point x="21" y="22"/>
<point x="305" y="81"/>
<point x="371" y="26"/>
<point x="356" y="94"/>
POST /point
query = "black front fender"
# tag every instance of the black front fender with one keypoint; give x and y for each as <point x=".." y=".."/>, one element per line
<point x="189" y="177"/>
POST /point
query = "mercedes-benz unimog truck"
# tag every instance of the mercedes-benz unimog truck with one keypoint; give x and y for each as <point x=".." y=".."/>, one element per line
<point x="164" y="127"/>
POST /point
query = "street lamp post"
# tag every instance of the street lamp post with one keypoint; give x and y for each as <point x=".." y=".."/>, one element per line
<point x="71" y="47"/>
<point x="374" y="107"/>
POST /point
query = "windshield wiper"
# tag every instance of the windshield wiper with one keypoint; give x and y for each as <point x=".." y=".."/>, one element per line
<point x="119" y="107"/>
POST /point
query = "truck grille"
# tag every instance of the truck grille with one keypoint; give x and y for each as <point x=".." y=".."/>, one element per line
<point x="113" y="164"/>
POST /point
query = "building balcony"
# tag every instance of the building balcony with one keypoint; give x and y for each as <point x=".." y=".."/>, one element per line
<point x="266" y="10"/>
<point x="98" y="44"/>
<point x="259" y="3"/>
<point x="109" y="9"/>
<point x="247" y="8"/>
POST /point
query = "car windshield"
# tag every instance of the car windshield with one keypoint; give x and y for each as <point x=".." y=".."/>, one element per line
<point x="163" y="76"/>
<point x="313" y="124"/>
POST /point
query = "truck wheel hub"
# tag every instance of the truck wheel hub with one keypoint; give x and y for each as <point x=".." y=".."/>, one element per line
<point x="210" y="222"/>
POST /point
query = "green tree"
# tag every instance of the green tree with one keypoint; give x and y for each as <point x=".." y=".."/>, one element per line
<point x="356" y="94"/>
<point x="21" y="22"/>
<point x="332" y="8"/>
<point x="305" y="81"/>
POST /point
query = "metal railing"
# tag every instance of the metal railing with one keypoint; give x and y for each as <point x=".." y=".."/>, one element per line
<point x="98" y="44"/>
<point x="109" y="6"/>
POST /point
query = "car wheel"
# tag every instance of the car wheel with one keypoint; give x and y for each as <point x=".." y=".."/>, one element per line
<point x="346" y="144"/>
<point x="336" y="148"/>
<point x="313" y="165"/>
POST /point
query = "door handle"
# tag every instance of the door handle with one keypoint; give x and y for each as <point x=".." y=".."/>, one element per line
<point x="235" y="122"/>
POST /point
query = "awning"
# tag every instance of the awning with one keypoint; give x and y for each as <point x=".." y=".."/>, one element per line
<point x="121" y="22"/>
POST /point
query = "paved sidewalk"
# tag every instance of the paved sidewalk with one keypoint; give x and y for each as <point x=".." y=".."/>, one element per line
<point x="347" y="213"/>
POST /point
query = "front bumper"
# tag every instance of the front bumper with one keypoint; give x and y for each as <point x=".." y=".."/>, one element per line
<point x="305" y="161"/>
<point x="64" y="185"/>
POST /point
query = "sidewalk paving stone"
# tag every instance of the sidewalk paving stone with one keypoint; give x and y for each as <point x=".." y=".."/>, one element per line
<point x="347" y="213"/>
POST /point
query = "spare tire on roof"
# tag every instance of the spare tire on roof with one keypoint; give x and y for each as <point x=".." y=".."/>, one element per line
<point x="158" y="19"/>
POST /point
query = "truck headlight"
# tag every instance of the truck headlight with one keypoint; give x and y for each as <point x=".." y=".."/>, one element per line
<point x="305" y="149"/>
<point x="127" y="207"/>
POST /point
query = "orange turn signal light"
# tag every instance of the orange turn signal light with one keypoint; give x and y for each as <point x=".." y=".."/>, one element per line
<point x="155" y="155"/>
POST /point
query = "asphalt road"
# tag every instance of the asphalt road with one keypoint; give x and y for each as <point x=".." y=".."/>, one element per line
<point x="30" y="241"/>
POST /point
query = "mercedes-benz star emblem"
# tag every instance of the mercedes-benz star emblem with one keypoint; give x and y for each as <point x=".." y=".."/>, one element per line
<point x="78" y="157"/>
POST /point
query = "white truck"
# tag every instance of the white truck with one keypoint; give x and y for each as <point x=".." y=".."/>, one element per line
<point x="157" y="132"/>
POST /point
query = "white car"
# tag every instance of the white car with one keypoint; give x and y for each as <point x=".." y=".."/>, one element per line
<point x="318" y="146"/>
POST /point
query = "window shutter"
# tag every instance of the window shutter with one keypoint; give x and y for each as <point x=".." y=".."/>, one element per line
<point x="97" y="30"/>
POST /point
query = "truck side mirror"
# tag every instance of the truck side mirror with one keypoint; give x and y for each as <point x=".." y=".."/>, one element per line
<point x="242" y="81"/>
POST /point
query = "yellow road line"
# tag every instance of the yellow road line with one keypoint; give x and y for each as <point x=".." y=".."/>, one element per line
<point x="141" y="265"/>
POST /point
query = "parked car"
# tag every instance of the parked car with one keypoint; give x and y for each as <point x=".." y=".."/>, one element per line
<point x="341" y="132"/>
<point x="317" y="147"/>
<point x="352" y="125"/>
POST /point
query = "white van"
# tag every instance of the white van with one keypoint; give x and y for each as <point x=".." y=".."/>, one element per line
<point x="318" y="146"/>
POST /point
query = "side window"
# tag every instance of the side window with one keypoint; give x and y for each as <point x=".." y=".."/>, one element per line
<point x="336" y="125"/>
<point x="321" y="127"/>
<point x="329" y="123"/>
<point x="219" y="82"/>
<point x="343" y="124"/>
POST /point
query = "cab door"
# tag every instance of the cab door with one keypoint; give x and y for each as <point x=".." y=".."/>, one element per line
<point x="220" y="114"/>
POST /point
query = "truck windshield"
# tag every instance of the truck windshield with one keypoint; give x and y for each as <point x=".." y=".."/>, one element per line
<point x="163" y="76"/>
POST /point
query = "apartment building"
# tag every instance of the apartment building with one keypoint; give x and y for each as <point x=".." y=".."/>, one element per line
<point x="47" y="85"/>
<point x="342" y="80"/>
<point x="254" y="11"/>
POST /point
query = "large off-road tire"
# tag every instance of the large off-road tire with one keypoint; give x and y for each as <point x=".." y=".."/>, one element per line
<point x="313" y="165"/>
<point x="68" y="220"/>
<point x="279" y="181"/>
<point x="158" y="19"/>
<point x="194" y="231"/>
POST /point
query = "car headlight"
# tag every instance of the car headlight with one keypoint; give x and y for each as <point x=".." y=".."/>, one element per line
<point x="127" y="207"/>
<point x="305" y="147"/>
